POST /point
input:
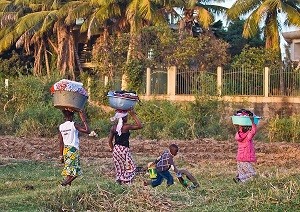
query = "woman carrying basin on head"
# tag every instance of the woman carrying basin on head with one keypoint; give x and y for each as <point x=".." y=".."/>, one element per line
<point x="124" y="164"/>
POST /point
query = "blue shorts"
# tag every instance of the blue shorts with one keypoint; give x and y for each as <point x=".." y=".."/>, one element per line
<point x="161" y="176"/>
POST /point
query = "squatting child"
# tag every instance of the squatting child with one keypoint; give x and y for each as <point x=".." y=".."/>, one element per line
<point x="162" y="165"/>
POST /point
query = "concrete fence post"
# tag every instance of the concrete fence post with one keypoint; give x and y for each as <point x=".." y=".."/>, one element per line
<point x="219" y="80"/>
<point x="6" y="84"/>
<point x="266" y="82"/>
<point x="171" y="87"/>
<point x="148" y="82"/>
<point x="105" y="81"/>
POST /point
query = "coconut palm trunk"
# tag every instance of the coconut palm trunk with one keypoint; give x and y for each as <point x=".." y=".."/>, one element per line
<point x="47" y="61"/>
<point x="65" y="47"/>
<point x="37" y="67"/>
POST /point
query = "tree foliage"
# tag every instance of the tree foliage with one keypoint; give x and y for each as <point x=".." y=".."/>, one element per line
<point x="204" y="53"/>
<point x="255" y="59"/>
<point x="266" y="13"/>
<point x="110" y="54"/>
<point x="234" y="36"/>
<point x="15" y="65"/>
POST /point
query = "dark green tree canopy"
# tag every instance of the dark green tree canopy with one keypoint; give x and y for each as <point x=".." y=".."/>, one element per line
<point x="234" y="36"/>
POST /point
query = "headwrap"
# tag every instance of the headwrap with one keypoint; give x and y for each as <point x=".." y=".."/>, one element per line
<point x="119" y="116"/>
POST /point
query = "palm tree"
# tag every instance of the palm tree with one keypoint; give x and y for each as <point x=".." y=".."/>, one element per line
<point x="201" y="11"/>
<point x="128" y="16"/>
<point x="266" y="13"/>
<point x="34" y="23"/>
<point x="19" y="26"/>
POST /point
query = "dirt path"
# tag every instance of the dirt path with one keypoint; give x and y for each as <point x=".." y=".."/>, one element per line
<point x="192" y="151"/>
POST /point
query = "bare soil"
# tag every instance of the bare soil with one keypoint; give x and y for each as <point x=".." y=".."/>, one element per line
<point x="193" y="152"/>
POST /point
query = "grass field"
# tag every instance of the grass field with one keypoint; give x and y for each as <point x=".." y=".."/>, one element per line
<point x="28" y="185"/>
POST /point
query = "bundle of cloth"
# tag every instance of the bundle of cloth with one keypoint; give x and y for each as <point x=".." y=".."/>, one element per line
<point x="68" y="85"/>
<point x="126" y="94"/>
<point x="244" y="112"/>
<point x="119" y="115"/>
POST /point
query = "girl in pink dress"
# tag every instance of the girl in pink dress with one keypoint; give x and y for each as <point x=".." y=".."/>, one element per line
<point x="246" y="152"/>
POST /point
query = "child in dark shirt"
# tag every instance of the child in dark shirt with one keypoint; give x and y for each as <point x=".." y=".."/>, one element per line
<point x="162" y="165"/>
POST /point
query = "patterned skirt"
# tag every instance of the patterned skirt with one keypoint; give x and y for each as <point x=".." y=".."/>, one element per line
<point x="72" y="162"/>
<point x="245" y="171"/>
<point x="124" y="164"/>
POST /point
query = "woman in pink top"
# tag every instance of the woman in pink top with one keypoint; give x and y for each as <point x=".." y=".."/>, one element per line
<point x="246" y="152"/>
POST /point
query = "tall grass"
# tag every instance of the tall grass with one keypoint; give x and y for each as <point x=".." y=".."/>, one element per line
<point x="284" y="129"/>
<point x="34" y="186"/>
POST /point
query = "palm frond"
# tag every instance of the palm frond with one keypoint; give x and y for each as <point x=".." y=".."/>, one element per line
<point x="7" y="18"/>
<point x="28" y="21"/>
<point x="205" y="18"/>
<point x="77" y="10"/>
<point x="22" y="2"/>
<point x="146" y="9"/>
<point x="213" y="8"/>
<point x="4" y="5"/>
<point x="81" y="11"/>
<point x="131" y="10"/>
<point x="7" y="41"/>
<point x="93" y="25"/>
<point x="292" y="14"/>
<point x="85" y="25"/>
<point x="168" y="4"/>
<point x="104" y="2"/>
<point x="242" y="7"/>
<point x="48" y="22"/>
<point x="63" y="10"/>
<point x="251" y="25"/>
<point x="106" y="12"/>
<point x="5" y="30"/>
<point x="192" y="3"/>
<point x="26" y="36"/>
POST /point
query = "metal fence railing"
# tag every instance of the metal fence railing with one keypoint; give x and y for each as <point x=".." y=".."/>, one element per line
<point x="234" y="82"/>
<point x="242" y="82"/>
<point x="284" y="82"/>
<point x="159" y="79"/>
<point x="191" y="82"/>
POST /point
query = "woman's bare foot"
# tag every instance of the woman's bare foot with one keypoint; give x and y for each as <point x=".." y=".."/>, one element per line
<point x="68" y="180"/>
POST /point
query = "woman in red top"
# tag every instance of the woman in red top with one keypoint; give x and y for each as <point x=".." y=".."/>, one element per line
<point x="246" y="152"/>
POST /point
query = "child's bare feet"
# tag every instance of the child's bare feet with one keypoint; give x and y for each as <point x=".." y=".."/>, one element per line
<point x="68" y="180"/>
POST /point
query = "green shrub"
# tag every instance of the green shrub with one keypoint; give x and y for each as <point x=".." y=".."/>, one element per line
<point x="27" y="109"/>
<point x="165" y="119"/>
<point x="7" y="126"/>
<point x="284" y="129"/>
<point x="15" y="65"/>
<point x="255" y="59"/>
<point x="162" y="119"/>
<point x="206" y="115"/>
<point x="42" y="120"/>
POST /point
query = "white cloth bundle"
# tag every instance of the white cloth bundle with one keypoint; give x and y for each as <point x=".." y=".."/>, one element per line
<point x="119" y="116"/>
<point x="69" y="85"/>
